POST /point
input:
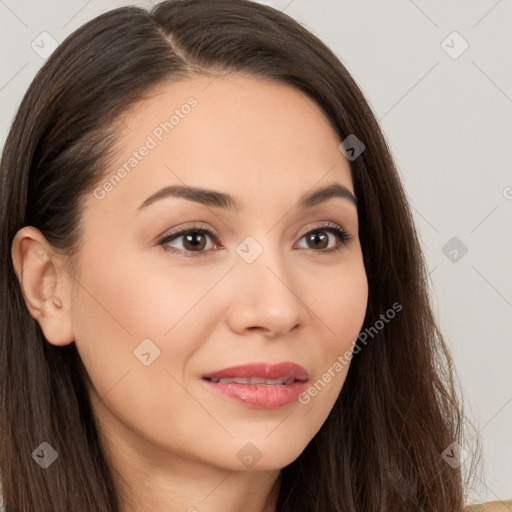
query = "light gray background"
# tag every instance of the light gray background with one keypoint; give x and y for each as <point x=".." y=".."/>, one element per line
<point x="447" y="121"/>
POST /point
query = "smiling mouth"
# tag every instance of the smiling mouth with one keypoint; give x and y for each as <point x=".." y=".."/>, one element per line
<point x="258" y="392"/>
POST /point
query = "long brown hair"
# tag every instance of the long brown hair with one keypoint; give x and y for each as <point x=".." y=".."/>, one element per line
<point x="380" y="448"/>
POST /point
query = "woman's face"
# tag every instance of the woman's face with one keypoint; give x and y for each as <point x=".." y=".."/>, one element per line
<point x="151" y="319"/>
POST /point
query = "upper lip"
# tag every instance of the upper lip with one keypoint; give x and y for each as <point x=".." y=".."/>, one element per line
<point x="261" y="370"/>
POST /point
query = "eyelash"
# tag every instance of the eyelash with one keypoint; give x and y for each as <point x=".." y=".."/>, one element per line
<point x="328" y="227"/>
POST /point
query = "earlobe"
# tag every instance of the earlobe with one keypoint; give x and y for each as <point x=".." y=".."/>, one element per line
<point x="43" y="284"/>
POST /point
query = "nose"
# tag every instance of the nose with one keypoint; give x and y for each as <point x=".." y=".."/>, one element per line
<point x="266" y="297"/>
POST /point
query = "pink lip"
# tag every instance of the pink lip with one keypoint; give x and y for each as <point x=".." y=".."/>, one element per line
<point x="262" y="396"/>
<point x="262" y="370"/>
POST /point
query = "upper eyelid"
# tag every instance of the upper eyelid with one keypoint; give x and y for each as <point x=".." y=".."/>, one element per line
<point x="194" y="227"/>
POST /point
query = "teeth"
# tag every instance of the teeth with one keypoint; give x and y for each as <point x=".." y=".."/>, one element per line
<point x="254" y="380"/>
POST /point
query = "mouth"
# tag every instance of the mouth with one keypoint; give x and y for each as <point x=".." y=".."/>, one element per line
<point x="259" y="373"/>
<point x="259" y="385"/>
<point x="283" y="381"/>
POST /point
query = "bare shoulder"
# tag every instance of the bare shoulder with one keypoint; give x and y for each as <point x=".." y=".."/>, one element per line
<point x="491" y="506"/>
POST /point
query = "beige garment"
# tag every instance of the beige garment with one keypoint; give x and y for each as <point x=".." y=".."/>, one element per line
<point x="491" y="506"/>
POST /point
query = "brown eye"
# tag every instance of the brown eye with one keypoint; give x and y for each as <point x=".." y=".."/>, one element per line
<point x="318" y="239"/>
<point x="195" y="240"/>
<point x="194" y="243"/>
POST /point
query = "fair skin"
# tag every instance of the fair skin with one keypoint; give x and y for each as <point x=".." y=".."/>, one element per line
<point x="173" y="441"/>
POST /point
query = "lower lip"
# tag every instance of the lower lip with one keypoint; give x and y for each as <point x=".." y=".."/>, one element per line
<point x="261" y="396"/>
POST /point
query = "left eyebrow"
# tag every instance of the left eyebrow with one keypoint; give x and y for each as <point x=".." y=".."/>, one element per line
<point x="222" y="200"/>
<point x="323" y="194"/>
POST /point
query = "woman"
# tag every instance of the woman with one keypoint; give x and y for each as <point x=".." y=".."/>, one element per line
<point x="213" y="293"/>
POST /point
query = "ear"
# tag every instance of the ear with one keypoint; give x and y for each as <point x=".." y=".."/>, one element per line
<point x="44" y="284"/>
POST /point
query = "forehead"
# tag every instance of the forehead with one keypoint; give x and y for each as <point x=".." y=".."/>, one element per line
<point x="253" y="138"/>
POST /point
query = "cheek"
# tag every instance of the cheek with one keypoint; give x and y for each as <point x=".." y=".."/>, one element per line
<point x="122" y="310"/>
<point x="341" y="306"/>
<point x="123" y="302"/>
<point x="134" y="298"/>
<point x="340" y="301"/>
